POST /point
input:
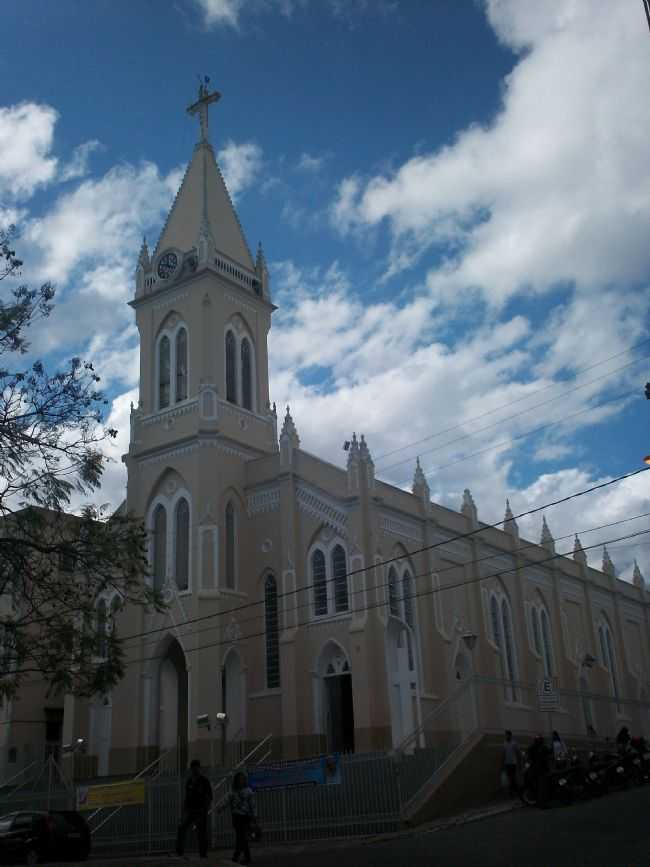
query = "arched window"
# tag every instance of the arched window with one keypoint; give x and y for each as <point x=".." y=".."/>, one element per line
<point x="159" y="547"/>
<point x="409" y="613"/>
<point x="182" y="544"/>
<point x="319" y="582"/>
<point x="509" y="651"/>
<point x="102" y="642"/>
<point x="339" y="574"/>
<point x="609" y="659"/>
<point x="246" y="375"/>
<point x="271" y="631"/>
<point x="534" y="616"/>
<point x="393" y="601"/>
<point x="496" y="625"/>
<point x="230" y="546"/>
<point x="116" y="606"/>
<point x="181" y="365"/>
<point x="546" y="641"/>
<point x="231" y="368"/>
<point x="164" y="373"/>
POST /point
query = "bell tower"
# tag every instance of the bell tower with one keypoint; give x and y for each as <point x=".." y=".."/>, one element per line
<point x="203" y="311"/>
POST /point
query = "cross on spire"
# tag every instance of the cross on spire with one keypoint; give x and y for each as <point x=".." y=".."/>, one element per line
<point x="200" y="107"/>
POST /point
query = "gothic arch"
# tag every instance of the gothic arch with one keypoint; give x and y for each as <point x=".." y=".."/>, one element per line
<point x="333" y="697"/>
<point x="233" y="359"/>
<point x="166" y="699"/>
<point x="169" y="331"/>
<point x="166" y="494"/>
<point x="330" y="593"/>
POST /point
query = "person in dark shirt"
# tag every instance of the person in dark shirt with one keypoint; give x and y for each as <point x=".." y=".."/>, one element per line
<point x="198" y="797"/>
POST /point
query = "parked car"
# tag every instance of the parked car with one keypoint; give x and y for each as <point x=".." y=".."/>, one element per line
<point x="35" y="837"/>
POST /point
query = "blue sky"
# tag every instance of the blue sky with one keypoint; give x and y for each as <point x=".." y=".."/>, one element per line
<point x="451" y="197"/>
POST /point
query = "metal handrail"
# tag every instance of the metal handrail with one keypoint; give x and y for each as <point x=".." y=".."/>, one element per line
<point x="404" y="743"/>
<point x="137" y="777"/>
<point x="20" y="773"/>
<point x="240" y="764"/>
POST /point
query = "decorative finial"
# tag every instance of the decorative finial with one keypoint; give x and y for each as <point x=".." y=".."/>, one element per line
<point x="608" y="566"/>
<point x="420" y="486"/>
<point x="200" y="107"/>
<point x="579" y="553"/>
<point x="637" y="576"/>
<point x="143" y="258"/>
<point x="468" y="507"/>
<point x="509" y="523"/>
<point x="547" y="541"/>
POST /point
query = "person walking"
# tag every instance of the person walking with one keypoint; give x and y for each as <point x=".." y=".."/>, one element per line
<point x="560" y="752"/>
<point x="511" y="762"/>
<point x="242" y="810"/>
<point x="198" y="797"/>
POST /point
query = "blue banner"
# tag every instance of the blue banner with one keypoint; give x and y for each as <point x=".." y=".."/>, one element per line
<point x="323" y="771"/>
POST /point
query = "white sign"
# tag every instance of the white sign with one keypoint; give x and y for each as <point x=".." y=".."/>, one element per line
<point x="547" y="695"/>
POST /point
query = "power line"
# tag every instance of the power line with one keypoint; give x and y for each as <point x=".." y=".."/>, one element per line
<point x="646" y="6"/>
<point x="633" y="392"/>
<point x="243" y="606"/>
<point x="309" y="602"/>
<point x="515" y="415"/>
<point x="380" y="604"/>
<point x="544" y="388"/>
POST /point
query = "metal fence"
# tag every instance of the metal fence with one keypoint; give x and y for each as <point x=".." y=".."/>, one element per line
<point x="375" y="790"/>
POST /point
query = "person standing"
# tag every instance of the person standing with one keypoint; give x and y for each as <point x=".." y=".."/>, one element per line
<point x="560" y="751"/>
<point x="242" y="809"/>
<point x="511" y="762"/>
<point x="198" y="797"/>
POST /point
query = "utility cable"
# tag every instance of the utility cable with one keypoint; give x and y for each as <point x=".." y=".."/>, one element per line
<point x="459" y="537"/>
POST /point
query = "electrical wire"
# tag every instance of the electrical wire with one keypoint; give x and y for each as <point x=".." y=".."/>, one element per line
<point x="245" y="605"/>
<point x="544" y="388"/>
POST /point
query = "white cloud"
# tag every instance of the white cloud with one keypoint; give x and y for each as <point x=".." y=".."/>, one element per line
<point x="26" y="135"/>
<point x="221" y="12"/>
<point x="78" y="165"/>
<point x="240" y="164"/>
<point x="310" y="163"/>
<point x="99" y="223"/>
<point x="553" y="190"/>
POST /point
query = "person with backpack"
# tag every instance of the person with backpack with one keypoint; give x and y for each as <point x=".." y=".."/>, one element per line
<point x="242" y="809"/>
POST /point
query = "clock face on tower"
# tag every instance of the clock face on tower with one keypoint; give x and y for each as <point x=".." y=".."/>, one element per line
<point x="167" y="264"/>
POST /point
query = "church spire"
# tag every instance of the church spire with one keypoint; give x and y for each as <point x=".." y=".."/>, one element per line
<point x="202" y="217"/>
<point x="509" y="523"/>
<point x="468" y="508"/>
<point x="608" y="566"/>
<point x="420" y="486"/>
<point x="637" y="576"/>
<point x="143" y="259"/>
<point x="579" y="553"/>
<point x="289" y="439"/>
<point x="547" y="541"/>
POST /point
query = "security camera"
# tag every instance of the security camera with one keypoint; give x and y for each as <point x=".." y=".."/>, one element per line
<point x="222" y="717"/>
<point x="470" y="640"/>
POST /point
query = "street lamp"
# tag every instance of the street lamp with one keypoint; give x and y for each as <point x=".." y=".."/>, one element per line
<point x="222" y="720"/>
<point x="74" y="747"/>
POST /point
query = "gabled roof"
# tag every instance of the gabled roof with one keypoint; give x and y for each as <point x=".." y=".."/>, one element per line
<point x="203" y="192"/>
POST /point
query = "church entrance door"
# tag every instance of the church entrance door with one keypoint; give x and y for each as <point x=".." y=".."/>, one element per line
<point x="400" y="678"/>
<point x="172" y="717"/>
<point x="337" y="699"/>
<point x="234" y="698"/>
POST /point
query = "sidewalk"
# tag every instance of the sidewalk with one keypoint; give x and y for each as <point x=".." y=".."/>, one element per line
<point x="222" y="858"/>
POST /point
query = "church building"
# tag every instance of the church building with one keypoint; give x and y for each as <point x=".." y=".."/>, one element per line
<point x="310" y="602"/>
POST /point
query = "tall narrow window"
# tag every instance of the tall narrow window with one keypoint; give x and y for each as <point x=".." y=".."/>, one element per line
<point x="508" y="646"/>
<point x="181" y="365"/>
<point x="409" y="614"/>
<point x="182" y="544"/>
<point x="546" y="641"/>
<point x="393" y="601"/>
<point x="230" y="546"/>
<point x="115" y="610"/>
<point x="164" y="373"/>
<point x="231" y="368"/>
<point x="246" y="375"/>
<point x="534" y="616"/>
<point x="496" y="625"/>
<point x="159" y="547"/>
<point x="271" y="631"/>
<point x="612" y="665"/>
<point x="102" y="643"/>
<point x="340" y="576"/>
<point x="319" y="581"/>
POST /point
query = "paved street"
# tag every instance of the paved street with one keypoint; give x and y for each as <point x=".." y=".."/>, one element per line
<point x="610" y="832"/>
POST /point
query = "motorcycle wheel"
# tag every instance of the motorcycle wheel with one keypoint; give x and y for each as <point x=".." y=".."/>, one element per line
<point x="529" y="796"/>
